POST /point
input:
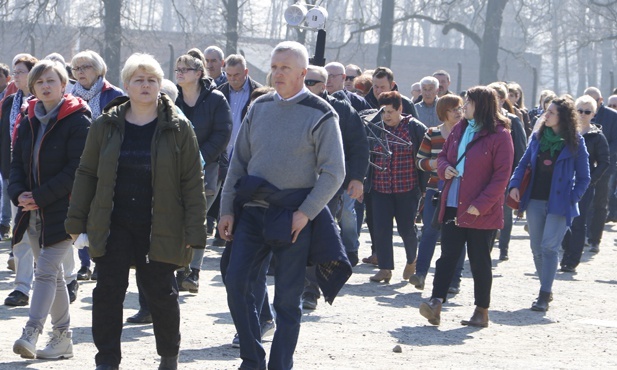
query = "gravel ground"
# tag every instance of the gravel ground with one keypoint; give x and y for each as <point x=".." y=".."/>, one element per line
<point x="368" y="320"/>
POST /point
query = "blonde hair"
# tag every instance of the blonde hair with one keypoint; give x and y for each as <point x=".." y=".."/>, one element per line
<point x="142" y="61"/>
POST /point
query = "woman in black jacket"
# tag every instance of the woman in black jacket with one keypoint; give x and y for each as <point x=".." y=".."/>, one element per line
<point x="599" y="163"/>
<point x="46" y="154"/>
<point x="208" y="110"/>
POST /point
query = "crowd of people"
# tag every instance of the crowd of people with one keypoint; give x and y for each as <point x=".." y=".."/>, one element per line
<point x="289" y="172"/>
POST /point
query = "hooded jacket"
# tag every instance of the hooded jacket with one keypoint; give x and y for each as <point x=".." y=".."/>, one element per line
<point x="599" y="154"/>
<point x="58" y="158"/>
<point x="178" y="201"/>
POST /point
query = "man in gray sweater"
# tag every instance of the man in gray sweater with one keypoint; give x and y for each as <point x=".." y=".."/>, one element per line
<point x="291" y="138"/>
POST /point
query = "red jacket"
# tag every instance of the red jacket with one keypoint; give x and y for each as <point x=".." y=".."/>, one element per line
<point x="488" y="165"/>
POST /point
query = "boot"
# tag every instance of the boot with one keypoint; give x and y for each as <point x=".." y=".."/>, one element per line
<point x="382" y="274"/>
<point x="409" y="270"/>
<point x="26" y="344"/>
<point x="541" y="304"/>
<point x="417" y="281"/>
<point x="59" y="346"/>
<point x="141" y="317"/>
<point x="478" y="319"/>
<point x="169" y="363"/>
<point x="180" y="276"/>
<point x="432" y="310"/>
<point x="192" y="281"/>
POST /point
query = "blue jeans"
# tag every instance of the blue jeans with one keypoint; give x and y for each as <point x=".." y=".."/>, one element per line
<point x="546" y="231"/>
<point x="84" y="257"/>
<point x="426" y="248"/>
<point x="348" y="223"/>
<point x="5" y="214"/>
<point x="574" y="240"/>
<point x="248" y="252"/>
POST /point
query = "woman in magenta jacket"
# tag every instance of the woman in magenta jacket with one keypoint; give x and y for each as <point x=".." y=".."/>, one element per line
<point x="471" y="208"/>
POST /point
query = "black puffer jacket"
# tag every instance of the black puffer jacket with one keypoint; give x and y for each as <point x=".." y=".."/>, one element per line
<point x="61" y="148"/>
<point x="599" y="153"/>
<point x="5" y="137"/>
<point x="211" y="119"/>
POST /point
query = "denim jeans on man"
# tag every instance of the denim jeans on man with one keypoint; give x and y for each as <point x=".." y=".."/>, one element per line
<point x="546" y="232"/>
<point x="248" y="252"/>
<point x="6" y="212"/>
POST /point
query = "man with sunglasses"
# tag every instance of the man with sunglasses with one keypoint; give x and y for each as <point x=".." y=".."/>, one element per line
<point x="351" y="72"/>
<point x="612" y="102"/>
<point x="356" y="149"/>
<point x="335" y="85"/>
<point x="607" y="119"/>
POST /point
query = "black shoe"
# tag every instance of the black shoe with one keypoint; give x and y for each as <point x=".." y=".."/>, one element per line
<point x="503" y="255"/>
<point x="72" y="287"/>
<point x="595" y="248"/>
<point x="84" y="273"/>
<point x="169" y="363"/>
<point x="180" y="276"/>
<point x="541" y="303"/>
<point x="16" y="298"/>
<point x="95" y="274"/>
<point x="141" y="317"/>
<point x="309" y="301"/>
<point x="192" y="281"/>
<point x="454" y="290"/>
<point x="353" y="258"/>
<point x="106" y="367"/>
<point x="568" y="268"/>
<point x="218" y="242"/>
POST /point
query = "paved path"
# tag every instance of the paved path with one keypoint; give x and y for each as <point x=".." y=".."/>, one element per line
<point x="368" y="320"/>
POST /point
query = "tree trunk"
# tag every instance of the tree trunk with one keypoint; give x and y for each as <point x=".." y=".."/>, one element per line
<point x="113" y="39"/>
<point x="232" y="27"/>
<point x="384" y="53"/>
<point x="489" y="64"/>
<point x="555" y="51"/>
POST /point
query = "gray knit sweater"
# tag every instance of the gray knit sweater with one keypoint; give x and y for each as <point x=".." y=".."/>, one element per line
<point x="292" y="144"/>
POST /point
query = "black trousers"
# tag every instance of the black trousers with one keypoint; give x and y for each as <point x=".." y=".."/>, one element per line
<point x="128" y="246"/>
<point x="599" y="209"/>
<point x="453" y="239"/>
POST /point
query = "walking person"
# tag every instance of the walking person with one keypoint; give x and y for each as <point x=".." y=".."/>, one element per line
<point x="599" y="164"/>
<point x="46" y="154"/>
<point x="558" y="160"/>
<point x="89" y="70"/>
<point x="281" y="208"/>
<point x="475" y="164"/>
<point x="141" y="204"/>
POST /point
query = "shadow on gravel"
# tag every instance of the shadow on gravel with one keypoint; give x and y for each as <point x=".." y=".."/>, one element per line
<point x="607" y="281"/>
<point x="223" y="352"/>
<point x="429" y="335"/>
<point x="522" y="317"/>
<point x="19" y="364"/>
<point x="130" y="332"/>
<point x="222" y="318"/>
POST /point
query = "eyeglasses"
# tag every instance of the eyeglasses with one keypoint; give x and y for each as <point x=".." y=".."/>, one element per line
<point x="81" y="69"/>
<point x="336" y="75"/>
<point x="454" y="110"/>
<point x="17" y="73"/>
<point x="312" y="82"/>
<point x="350" y="78"/>
<point x="585" y="112"/>
<point x="184" y="70"/>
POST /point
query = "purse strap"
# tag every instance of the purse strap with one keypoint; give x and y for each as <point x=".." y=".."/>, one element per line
<point x="465" y="152"/>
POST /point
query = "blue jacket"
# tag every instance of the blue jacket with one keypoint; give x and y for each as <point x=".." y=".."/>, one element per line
<point x="570" y="178"/>
<point x="108" y="93"/>
<point x="326" y="250"/>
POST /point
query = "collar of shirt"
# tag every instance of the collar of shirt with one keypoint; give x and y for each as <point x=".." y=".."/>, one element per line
<point x="304" y="89"/>
<point x="244" y="88"/>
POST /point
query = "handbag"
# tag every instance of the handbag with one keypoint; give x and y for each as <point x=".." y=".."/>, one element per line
<point x="510" y="202"/>
<point x="435" y="224"/>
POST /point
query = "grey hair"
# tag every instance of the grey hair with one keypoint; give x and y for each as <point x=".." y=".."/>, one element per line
<point x="57" y="57"/>
<point x="234" y="60"/>
<point x="321" y="70"/>
<point x="294" y="47"/>
<point x="429" y="80"/>
<point x="336" y="65"/>
<point x="170" y="89"/>
<point x="93" y="57"/>
<point x="215" y="49"/>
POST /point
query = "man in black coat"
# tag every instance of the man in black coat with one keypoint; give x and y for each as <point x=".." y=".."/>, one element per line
<point x="336" y="84"/>
<point x="383" y="81"/>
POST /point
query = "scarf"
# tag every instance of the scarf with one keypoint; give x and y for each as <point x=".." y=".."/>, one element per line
<point x="15" y="108"/>
<point x="92" y="96"/>
<point x="551" y="141"/>
<point x="470" y="131"/>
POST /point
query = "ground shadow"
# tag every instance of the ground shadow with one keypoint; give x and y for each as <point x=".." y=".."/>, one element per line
<point x="521" y="317"/>
<point x="222" y="352"/>
<point x="425" y="335"/>
<point x="607" y="281"/>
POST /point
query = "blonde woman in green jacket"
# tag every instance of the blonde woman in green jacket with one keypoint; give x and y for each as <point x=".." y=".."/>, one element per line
<point x="139" y="197"/>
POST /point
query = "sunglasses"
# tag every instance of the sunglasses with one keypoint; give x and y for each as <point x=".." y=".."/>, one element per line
<point x="585" y="112"/>
<point x="349" y="78"/>
<point x="312" y="82"/>
<point x="614" y="106"/>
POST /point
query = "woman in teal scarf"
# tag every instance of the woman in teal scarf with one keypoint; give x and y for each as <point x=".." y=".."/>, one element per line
<point x="559" y="166"/>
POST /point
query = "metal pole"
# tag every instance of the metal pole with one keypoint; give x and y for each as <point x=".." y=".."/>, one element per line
<point x="459" y="78"/>
<point x="534" y="90"/>
<point x="172" y="60"/>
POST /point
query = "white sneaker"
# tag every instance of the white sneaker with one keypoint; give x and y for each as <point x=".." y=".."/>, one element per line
<point x="59" y="346"/>
<point x="26" y="345"/>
